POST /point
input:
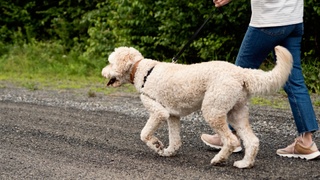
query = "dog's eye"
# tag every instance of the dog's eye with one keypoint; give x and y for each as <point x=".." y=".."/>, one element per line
<point x="111" y="81"/>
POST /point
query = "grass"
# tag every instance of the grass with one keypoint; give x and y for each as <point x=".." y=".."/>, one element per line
<point x="49" y="59"/>
<point x="37" y="81"/>
<point x="46" y="65"/>
<point x="30" y="86"/>
<point x="91" y="93"/>
<point x="276" y="103"/>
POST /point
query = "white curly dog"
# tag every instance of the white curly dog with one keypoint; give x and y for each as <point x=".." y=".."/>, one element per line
<point x="220" y="89"/>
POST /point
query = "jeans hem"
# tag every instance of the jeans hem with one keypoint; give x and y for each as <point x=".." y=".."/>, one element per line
<point x="312" y="131"/>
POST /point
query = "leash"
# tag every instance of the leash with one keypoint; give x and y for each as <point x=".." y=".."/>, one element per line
<point x="175" y="59"/>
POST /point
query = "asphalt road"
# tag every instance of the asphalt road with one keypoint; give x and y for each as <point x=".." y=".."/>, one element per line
<point x="43" y="142"/>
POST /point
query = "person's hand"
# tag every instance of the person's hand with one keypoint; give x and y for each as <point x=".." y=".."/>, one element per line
<point x="219" y="3"/>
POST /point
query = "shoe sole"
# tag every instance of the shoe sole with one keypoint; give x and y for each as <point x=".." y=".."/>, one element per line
<point x="238" y="149"/>
<point x="307" y="157"/>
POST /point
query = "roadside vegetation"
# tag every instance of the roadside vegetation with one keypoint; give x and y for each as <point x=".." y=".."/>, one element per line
<point x="65" y="44"/>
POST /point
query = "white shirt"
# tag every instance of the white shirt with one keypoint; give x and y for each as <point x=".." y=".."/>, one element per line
<point x="270" y="13"/>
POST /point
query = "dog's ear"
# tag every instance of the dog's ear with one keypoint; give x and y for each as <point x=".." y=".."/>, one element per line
<point x="124" y="58"/>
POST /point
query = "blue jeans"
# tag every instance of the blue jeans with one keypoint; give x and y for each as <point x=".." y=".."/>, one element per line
<point x="255" y="47"/>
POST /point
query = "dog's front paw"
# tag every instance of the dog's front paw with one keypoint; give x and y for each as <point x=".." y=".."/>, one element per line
<point x="169" y="152"/>
<point x="242" y="164"/>
<point x="217" y="160"/>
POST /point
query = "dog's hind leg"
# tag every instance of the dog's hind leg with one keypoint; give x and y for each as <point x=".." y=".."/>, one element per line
<point x="215" y="106"/>
<point x="238" y="118"/>
<point x="158" y="114"/>
<point x="174" y="136"/>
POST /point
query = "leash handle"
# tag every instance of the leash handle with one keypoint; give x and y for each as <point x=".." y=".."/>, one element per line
<point x="175" y="59"/>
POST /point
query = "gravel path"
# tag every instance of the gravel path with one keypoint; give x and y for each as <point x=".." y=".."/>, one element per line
<point x="64" y="134"/>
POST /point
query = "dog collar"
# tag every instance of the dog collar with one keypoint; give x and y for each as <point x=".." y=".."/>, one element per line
<point x="133" y="72"/>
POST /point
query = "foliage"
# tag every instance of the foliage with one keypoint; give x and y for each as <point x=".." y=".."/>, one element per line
<point x="311" y="75"/>
<point x="159" y="29"/>
<point x="76" y="37"/>
<point x="311" y="40"/>
<point x="101" y="41"/>
<point x="317" y="103"/>
<point x="22" y="21"/>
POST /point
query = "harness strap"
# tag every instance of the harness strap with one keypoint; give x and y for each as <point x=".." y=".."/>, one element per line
<point x="146" y="76"/>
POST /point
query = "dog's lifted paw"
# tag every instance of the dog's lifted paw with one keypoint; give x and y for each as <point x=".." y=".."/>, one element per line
<point x="158" y="144"/>
<point x="159" y="148"/>
<point x="242" y="164"/>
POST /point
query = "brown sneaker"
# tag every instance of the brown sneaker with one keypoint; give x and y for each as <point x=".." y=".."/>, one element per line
<point x="214" y="141"/>
<point x="297" y="150"/>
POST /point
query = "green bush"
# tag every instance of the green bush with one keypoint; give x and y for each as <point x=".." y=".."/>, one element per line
<point x="311" y="75"/>
<point x="311" y="39"/>
<point x="159" y="29"/>
<point x="45" y="20"/>
<point x="86" y="32"/>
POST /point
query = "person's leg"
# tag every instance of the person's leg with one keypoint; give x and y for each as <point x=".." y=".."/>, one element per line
<point x="300" y="102"/>
<point x="257" y="44"/>
<point x="255" y="47"/>
<point x="295" y="87"/>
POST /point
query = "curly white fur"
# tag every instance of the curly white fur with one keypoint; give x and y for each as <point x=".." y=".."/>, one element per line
<point x="220" y="89"/>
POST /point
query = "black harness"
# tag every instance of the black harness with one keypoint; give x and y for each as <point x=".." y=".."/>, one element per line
<point x="146" y="76"/>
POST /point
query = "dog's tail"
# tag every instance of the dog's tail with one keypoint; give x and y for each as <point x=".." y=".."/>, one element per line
<point x="258" y="81"/>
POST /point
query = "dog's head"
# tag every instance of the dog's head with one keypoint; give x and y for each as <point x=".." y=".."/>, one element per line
<point x="120" y="65"/>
